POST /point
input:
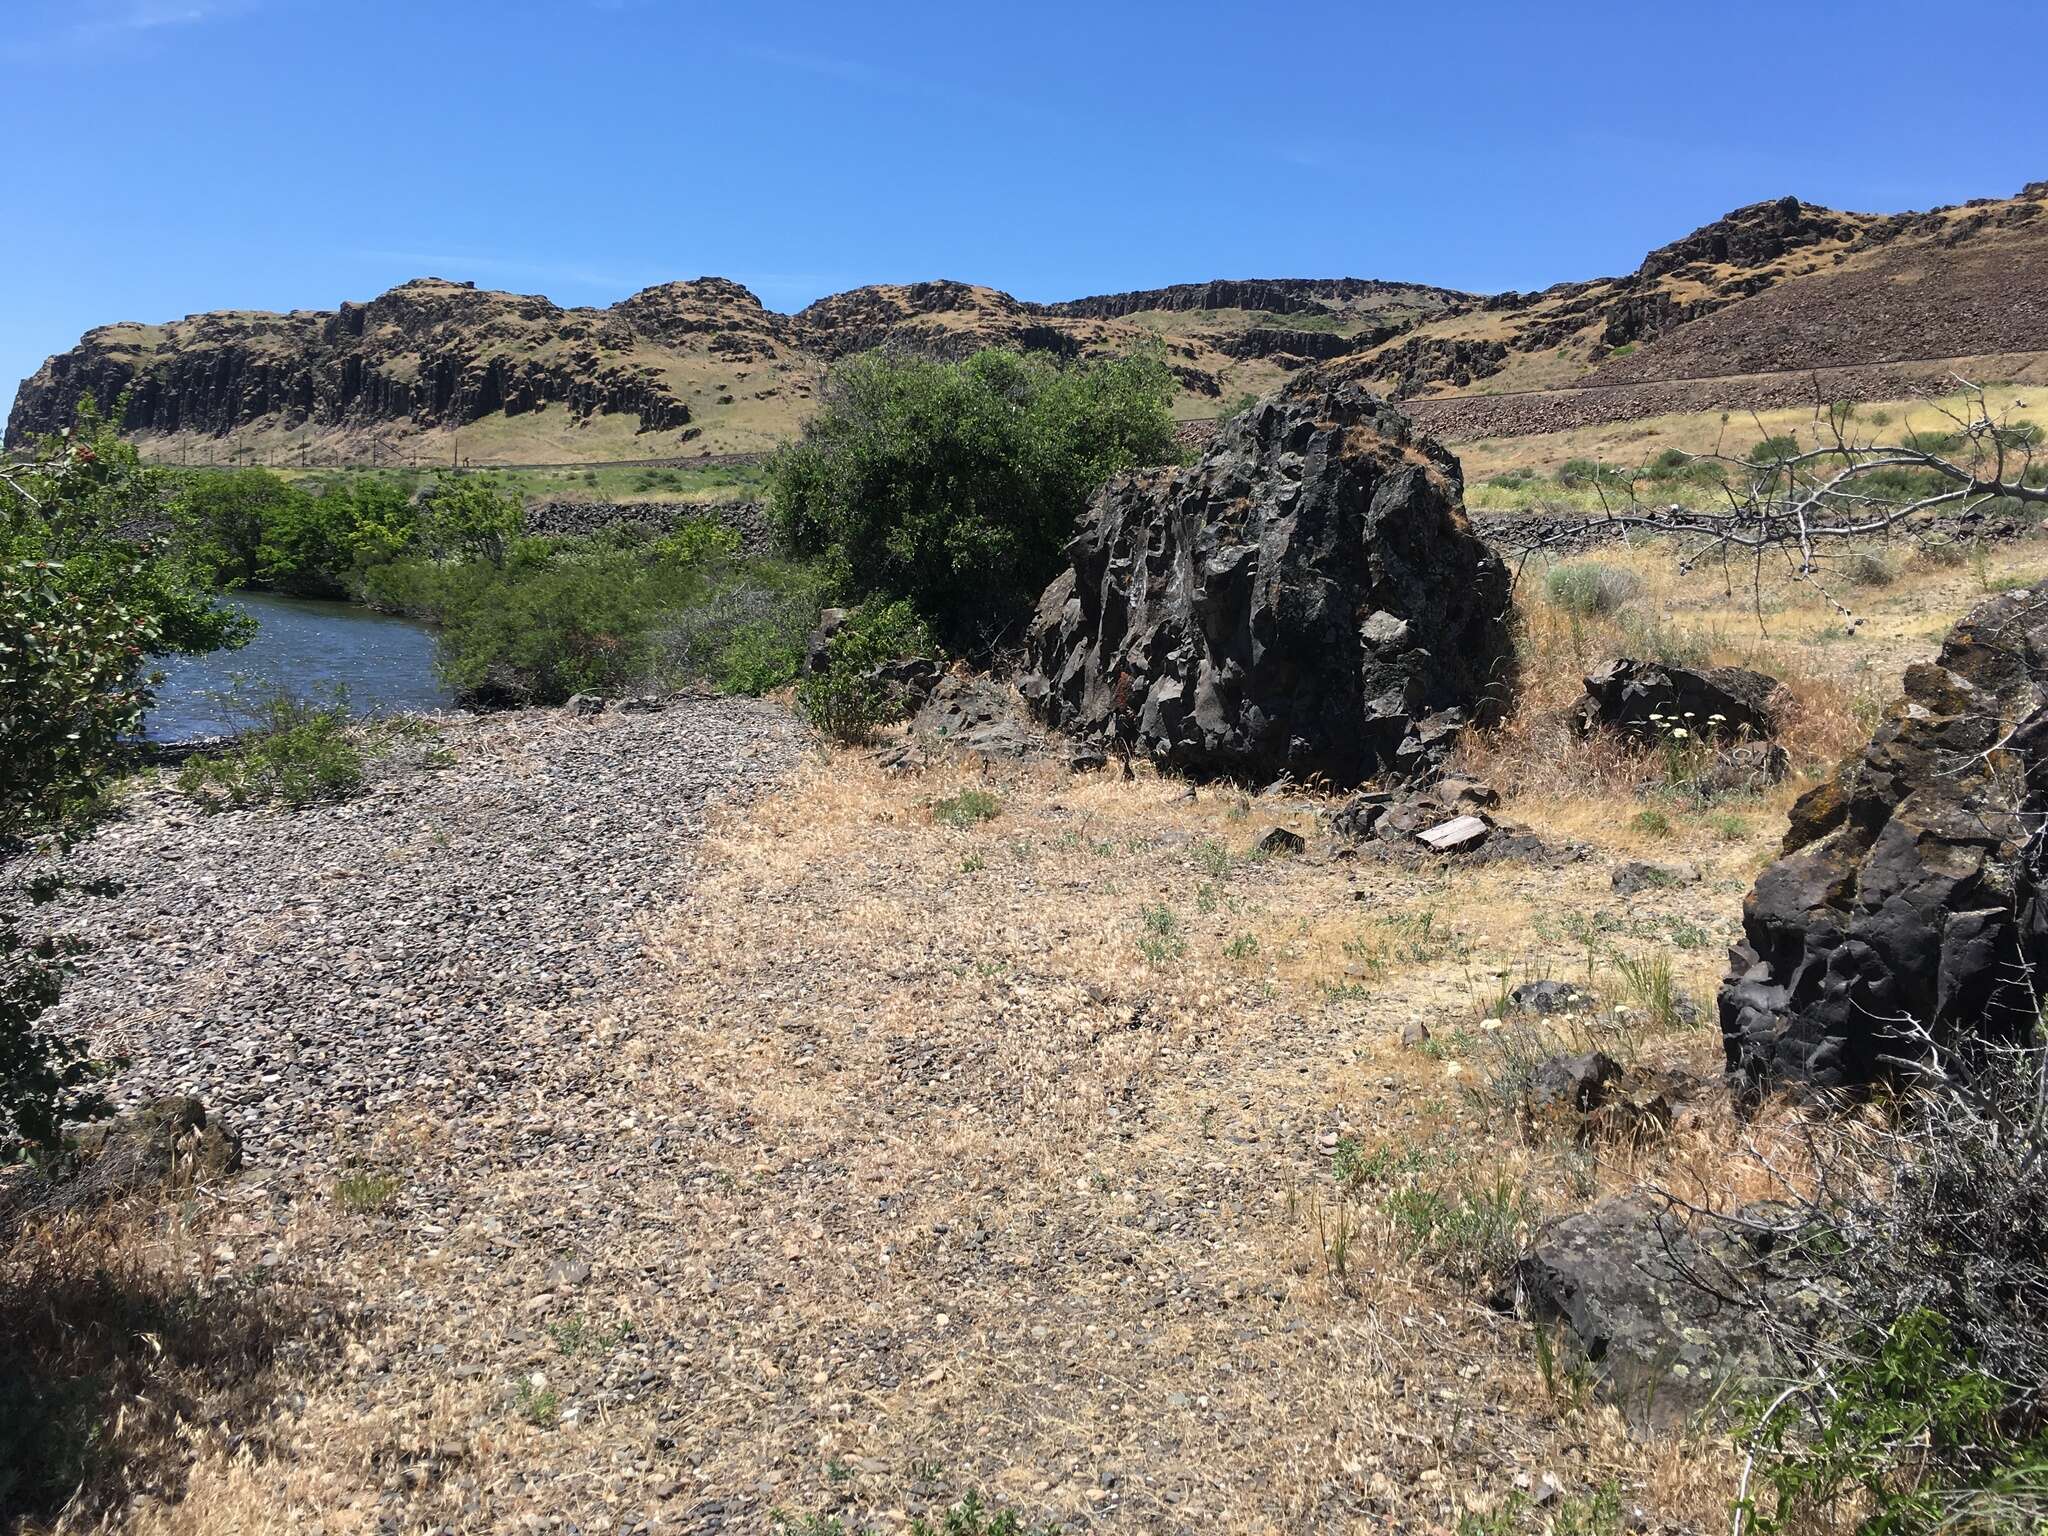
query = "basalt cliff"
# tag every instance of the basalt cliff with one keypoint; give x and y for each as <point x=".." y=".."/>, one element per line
<point x="1773" y="289"/>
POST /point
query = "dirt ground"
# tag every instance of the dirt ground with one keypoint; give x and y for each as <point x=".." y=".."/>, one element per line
<point x="1002" y="1131"/>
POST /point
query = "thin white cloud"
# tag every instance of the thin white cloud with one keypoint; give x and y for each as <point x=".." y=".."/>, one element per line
<point x="107" y="22"/>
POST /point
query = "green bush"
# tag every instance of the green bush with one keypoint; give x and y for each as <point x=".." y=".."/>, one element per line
<point x="843" y="700"/>
<point x="224" y="519"/>
<point x="470" y="517"/>
<point x="1917" y="1397"/>
<point x="956" y="486"/>
<point x="86" y="604"/>
<point x="1914" y="1432"/>
<point x="966" y="809"/>
<point x="302" y="754"/>
<point x="748" y="636"/>
<point x="1866" y="568"/>
<point x="251" y="527"/>
<point x="1590" y="589"/>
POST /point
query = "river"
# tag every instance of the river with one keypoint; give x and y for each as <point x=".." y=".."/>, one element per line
<point x="305" y="647"/>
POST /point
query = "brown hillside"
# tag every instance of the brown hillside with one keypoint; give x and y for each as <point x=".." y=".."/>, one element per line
<point x="1717" y="319"/>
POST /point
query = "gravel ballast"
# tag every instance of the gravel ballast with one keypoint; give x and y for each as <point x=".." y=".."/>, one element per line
<point x="408" y="947"/>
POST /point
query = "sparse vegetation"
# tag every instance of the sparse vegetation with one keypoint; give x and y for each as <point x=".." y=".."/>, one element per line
<point x="536" y="1402"/>
<point x="366" y="1193"/>
<point x="968" y="808"/>
<point x="1472" y="1231"/>
<point x="845" y="700"/>
<point x="1589" y="590"/>
<point x="300" y="754"/>
<point x="1161" y="942"/>
<point x="84" y="612"/>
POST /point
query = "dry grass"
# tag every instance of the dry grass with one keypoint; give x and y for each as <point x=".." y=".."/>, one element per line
<point x="1067" y="1155"/>
<point x="131" y="1349"/>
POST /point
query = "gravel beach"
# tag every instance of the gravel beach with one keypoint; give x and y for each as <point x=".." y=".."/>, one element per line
<point x="411" y="948"/>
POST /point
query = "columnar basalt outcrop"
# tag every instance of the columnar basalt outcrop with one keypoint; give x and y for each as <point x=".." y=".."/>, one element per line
<point x="428" y="353"/>
<point x="1907" y="897"/>
<point x="1307" y="600"/>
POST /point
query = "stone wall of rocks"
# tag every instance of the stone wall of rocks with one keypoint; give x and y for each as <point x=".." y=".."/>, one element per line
<point x="749" y="519"/>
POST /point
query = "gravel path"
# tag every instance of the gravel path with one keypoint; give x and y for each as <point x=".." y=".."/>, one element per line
<point x="411" y="948"/>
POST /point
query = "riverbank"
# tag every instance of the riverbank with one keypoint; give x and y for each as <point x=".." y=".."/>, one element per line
<point x="412" y="946"/>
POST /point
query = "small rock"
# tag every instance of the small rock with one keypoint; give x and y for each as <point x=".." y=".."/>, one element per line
<point x="1636" y="876"/>
<point x="566" y="1273"/>
<point x="1547" y="997"/>
<point x="1280" y="841"/>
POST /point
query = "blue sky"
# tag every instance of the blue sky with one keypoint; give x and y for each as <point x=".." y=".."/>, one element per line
<point x="170" y="156"/>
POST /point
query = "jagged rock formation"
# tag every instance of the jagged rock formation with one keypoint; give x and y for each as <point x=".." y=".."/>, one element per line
<point x="1273" y="296"/>
<point x="428" y="352"/>
<point x="1773" y="290"/>
<point x="1307" y="599"/>
<point x="1908" y="891"/>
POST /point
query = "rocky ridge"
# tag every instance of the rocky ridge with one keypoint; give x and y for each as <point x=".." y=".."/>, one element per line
<point x="1774" y="287"/>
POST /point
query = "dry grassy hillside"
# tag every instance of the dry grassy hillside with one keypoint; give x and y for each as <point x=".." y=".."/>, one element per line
<point x="434" y="371"/>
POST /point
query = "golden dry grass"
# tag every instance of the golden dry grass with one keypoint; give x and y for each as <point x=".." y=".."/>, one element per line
<point x="1005" y="1158"/>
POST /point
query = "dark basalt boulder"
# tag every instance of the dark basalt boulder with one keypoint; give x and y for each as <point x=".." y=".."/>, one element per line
<point x="1908" y="890"/>
<point x="1624" y="694"/>
<point x="1307" y="599"/>
<point x="1663" y="1311"/>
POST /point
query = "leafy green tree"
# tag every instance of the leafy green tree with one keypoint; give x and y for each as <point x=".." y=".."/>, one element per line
<point x="469" y="517"/>
<point x="372" y="519"/>
<point x="957" y="485"/>
<point x="229" y="520"/>
<point x="85" y="605"/>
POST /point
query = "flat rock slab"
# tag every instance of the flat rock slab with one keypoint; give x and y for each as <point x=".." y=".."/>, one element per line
<point x="1456" y="835"/>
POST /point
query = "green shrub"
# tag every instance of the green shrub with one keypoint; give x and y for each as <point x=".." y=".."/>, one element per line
<point x="1917" y="1403"/>
<point x="844" y="700"/>
<point x="1909" y="1402"/>
<point x="84" y="609"/>
<point x="1472" y="1232"/>
<point x="225" y="517"/>
<point x="367" y="1193"/>
<point x="748" y="635"/>
<point x="957" y="485"/>
<point x="301" y="755"/>
<point x="1590" y="589"/>
<point x="1161" y="942"/>
<point x="1775" y="450"/>
<point x="966" y="809"/>
<point x="470" y="517"/>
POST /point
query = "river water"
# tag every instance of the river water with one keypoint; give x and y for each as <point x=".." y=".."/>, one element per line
<point x="304" y="647"/>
